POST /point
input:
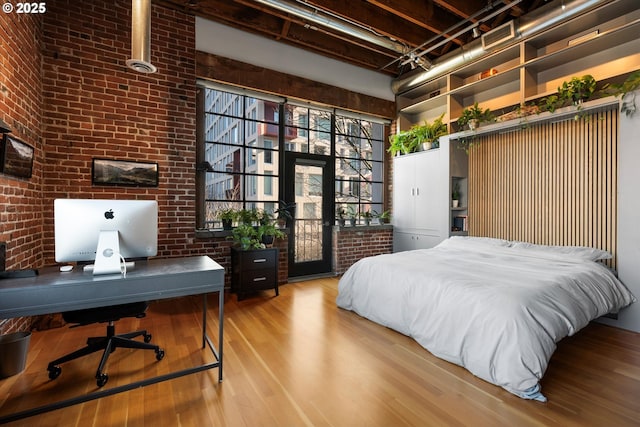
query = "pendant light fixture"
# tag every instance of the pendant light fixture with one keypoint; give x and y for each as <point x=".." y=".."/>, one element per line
<point x="141" y="37"/>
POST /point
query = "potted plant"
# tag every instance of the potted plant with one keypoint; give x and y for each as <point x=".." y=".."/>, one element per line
<point x="427" y="135"/>
<point x="227" y="216"/>
<point x="366" y="215"/>
<point x="455" y="195"/>
<point x="626" y="92"/>
<point x="380" y="217"/>
<point x="284" y="213"/>
<point x="399" y="143"/>
<point x="351" y="215"/>
<point x="248" y="216"/>
<point x="340" y="215"/>
<point x="245" y="237"/>
<point x="267" y="232"/>
<point x="474" y="116"/>
<point x="577" y="90"/>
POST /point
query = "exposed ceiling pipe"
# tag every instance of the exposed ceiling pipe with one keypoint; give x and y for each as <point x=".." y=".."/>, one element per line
<point x="541" y="19"/>
<point x="141" y="37"/>
<point x="321" y="18"/>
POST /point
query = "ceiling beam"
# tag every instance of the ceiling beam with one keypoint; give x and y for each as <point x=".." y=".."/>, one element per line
<point x="225" y="70"/>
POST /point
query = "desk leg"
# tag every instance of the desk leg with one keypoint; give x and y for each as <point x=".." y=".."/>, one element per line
<point x="204" y="320"/>
<point x="220" y="331"/>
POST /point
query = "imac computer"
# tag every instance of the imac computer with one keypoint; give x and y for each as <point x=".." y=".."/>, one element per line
<point x="105" y="232"/>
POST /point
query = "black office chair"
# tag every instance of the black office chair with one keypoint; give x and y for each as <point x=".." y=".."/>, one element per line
<point x="111" y="341"/>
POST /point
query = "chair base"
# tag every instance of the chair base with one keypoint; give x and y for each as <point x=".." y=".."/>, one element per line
<point x="108" y="344"/>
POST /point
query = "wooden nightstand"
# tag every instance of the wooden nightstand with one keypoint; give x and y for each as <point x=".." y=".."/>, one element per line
<point x="254" y="270"/>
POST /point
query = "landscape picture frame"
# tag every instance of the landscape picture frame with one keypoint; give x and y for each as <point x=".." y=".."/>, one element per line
<point x="16" y="157"/>
<point x="124" y="173"/>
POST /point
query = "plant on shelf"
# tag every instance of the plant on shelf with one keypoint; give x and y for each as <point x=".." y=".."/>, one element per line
<point x="401" y="143"/>
<point x="428" y="134"/>
<point x="455" y="194"/>
<point x="227" y="216"/>
<point x="474" y="116"/>
<point x="577" y="90"/>
<point x="627" y="93"/>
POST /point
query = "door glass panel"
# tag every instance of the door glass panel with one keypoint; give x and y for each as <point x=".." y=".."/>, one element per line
<point x="308" y="223"/>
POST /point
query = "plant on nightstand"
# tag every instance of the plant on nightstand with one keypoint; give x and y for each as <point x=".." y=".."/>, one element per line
<point x="245" y="237"/>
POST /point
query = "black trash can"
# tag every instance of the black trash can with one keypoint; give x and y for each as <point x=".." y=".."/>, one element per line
<point x="13" y="353"/>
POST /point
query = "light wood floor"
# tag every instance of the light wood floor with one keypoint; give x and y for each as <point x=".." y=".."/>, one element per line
<point x="298" y="360"/>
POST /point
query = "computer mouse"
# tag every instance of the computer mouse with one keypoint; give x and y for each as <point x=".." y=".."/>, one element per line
<point x="65" y="268"/>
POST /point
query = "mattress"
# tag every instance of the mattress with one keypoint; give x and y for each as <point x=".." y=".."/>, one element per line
<point x="493" y="306"/>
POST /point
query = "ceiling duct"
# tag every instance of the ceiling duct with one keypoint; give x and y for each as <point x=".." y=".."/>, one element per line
<point x="321" y="18"/>
<point x="141" y="37"/>
<point x="499" y="35"/>
<point x="539" y="20"/>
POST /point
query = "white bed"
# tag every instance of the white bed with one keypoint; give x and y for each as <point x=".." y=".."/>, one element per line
<point x="493" y="306"/>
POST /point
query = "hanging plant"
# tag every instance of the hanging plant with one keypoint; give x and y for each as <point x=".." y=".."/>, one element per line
<point x="626" y="92"/>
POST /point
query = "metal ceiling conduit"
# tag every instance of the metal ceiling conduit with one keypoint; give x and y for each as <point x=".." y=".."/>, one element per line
<point x="541" y="19"/>
<point x="318" y="17"/>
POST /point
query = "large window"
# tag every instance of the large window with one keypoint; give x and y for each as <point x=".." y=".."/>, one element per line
<point x="243" y="146"/>
<point x="359" y="148"/>
<point x="241" y="135"/>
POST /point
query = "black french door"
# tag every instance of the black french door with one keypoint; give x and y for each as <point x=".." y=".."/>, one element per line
<point x="309" y="183"/>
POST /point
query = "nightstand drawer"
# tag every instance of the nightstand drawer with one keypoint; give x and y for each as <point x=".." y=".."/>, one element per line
<point x="255" y="260"/>
<point x="259" y="279"/>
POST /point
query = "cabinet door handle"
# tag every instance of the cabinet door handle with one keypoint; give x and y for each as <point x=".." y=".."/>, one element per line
<point x="417" y="191"/>
<point x="260" y="260"/>
<point x="259" y="279"/>
<point x="413" y="191"/>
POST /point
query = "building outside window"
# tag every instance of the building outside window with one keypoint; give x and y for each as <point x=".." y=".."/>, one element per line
<point x="244" y="145"/>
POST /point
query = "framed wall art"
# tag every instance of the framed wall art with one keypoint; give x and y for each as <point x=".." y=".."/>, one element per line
<point x="16" y="157"/>
<point x="124" y="172"/>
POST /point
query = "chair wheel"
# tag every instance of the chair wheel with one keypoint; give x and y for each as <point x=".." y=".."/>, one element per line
<point x="101" y="379"/>
<point x="54" y="372"/>
<point x="160" y="354"/>
<point x="147" y="337"/>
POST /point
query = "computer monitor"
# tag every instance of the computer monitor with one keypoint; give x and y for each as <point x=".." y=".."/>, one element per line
<point x="106" y="232"/>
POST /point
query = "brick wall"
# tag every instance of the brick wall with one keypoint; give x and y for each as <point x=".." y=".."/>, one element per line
<point x="96" y="107"/>
<point x="20" y="108"/>
<point x="351" y="244"/>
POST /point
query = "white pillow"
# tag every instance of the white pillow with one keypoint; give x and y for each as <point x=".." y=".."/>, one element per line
<point x="473" y="240"/>
<point x="580" y="252"/>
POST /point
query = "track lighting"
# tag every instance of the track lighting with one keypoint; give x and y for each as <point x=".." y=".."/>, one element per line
<point x="476" y="32"/>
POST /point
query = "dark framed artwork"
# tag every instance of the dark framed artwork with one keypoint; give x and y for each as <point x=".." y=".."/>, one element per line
<point x="16" y="157"/>
<point x="123" y="172"/>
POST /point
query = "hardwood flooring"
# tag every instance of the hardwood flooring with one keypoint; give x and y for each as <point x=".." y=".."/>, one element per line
<point x="298" y="360"/>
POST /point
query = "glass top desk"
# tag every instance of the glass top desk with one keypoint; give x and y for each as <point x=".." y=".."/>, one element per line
<point x="53" y="291"/>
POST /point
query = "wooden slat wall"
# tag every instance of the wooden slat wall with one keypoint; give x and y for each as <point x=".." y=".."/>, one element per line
<point x="550" y="183"/>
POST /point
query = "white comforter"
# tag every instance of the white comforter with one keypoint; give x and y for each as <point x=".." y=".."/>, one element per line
<point x="496" y="310"/>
